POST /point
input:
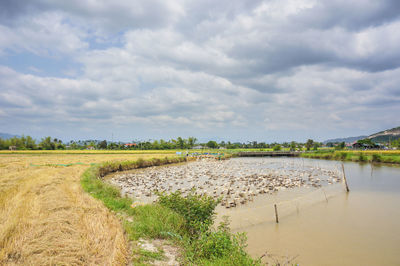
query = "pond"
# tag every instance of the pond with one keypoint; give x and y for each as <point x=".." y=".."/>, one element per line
<point x="319" y="222"/>
<point x="329" y="227"/>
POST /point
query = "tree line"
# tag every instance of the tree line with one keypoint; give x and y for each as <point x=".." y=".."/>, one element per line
<point x="49" y="143"/>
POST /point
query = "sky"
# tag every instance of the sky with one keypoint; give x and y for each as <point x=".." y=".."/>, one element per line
<point x="233" y="70"/>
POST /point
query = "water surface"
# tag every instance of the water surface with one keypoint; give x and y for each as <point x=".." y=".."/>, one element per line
<point x="328" y="226"/>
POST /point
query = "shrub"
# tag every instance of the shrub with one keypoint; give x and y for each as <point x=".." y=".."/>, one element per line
<point x="220" y="247"/>
<point x="154" y="221"/>
<point x="197" y="210"/>
<point x="343" y="156"/>
<point x="277" y="148"/>
<point x="362" y="157"/>
<point x="376" y="157"/>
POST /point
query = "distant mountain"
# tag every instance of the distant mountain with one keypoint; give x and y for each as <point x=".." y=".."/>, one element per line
<point x="386" y="135"/>
<point x="383" y="136"/>
<point x="7" y="136"/>
<point x="347" y="140"/>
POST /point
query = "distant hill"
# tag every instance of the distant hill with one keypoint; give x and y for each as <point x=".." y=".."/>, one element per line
<point x="347" y="140"/>
<point x="7" y="136"/>
<point x="386" y="135"/>
<point x="383" y="136"/>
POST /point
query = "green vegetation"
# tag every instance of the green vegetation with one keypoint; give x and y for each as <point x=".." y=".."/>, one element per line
<point x="212" y="144"/>
<point x="356" y="156"/>
<point x="277" y="148"/>
<point x="198" y="211"/>
<point x="185" y="221"/>
<point x="340" y="146"/>
<point x="309" y="144"/>
<point x="28" y="143"/>
<point x="48" y="143"/>
<point x="376" y="158"/>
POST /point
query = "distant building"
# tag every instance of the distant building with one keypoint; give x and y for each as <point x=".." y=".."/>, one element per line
<point x="222" y="148"/>
<point x="90" y="148"/>
<point x="365" y="146"/>
<point x="198" y="147"/>
<point x="129" y="145"/>
<point x="12" y="148"/>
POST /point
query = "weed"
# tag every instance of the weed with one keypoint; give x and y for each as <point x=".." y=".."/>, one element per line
<point x="143" y="257"/>
<point x="154" y="221"/>
<point x="197" y="210"/>
<point x="376" y="157"/>
<point x="362" y="157"/>
<point x="343" y="156"/>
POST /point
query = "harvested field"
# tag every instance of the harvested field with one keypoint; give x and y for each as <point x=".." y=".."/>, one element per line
<point x="46" y="218"/>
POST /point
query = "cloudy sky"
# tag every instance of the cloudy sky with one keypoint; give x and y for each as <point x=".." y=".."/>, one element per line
<point x="273" y="70"/>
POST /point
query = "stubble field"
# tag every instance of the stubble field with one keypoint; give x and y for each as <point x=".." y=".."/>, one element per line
<point x="46" y="217"/>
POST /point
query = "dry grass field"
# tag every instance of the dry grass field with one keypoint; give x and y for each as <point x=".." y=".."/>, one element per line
<point x="45" y="216"/>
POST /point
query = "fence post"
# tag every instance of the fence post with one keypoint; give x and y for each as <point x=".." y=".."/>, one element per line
<point x="345" y="180"/>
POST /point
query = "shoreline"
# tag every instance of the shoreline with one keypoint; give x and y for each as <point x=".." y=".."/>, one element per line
<point x="372" y="156"/>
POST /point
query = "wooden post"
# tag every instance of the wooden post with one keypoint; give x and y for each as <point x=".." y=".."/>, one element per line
<point x="276" y="214"/>
<point x="325" y="195"/>
<point x="344" y="178"/>
<point x="372" y="168"/>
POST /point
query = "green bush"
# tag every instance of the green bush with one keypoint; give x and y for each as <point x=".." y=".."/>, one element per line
<point x="376" y="157"/>
<point x="197" y="210"/>
<point x="154" y="221"/>
<point x="219" y="247"/>
<point x="277" y="148"/>
<point x="343" y="156"/>
<point x="205" y="245"/>
<point x="362" y="157"/>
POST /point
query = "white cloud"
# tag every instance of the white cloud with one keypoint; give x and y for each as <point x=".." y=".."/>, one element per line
<point x="231" y="66"/>
<point x="46" y="35"/>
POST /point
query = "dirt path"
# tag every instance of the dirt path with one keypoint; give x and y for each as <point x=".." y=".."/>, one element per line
<point x="46" y="218"/>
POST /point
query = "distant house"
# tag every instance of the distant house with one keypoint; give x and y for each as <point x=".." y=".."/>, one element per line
<point x="198" y="147"/>
<point x="349" y="145"/>
<point x="222" y="148"/>
<point x="90" y="148"/>
<point x="12" y="148"/>
<point x="365" y="146"/>
<point x="129" y="145"/>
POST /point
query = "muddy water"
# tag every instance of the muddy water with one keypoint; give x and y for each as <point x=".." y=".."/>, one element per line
<point x="328" y="227"/>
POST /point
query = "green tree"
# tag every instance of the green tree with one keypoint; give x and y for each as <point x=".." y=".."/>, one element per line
<point x="180" y="143"/>
<point x="103" y="145"/>
<point x="3" y="144"/>
<point x="309" y="144"/>
<point x="342" y="145"/>
<point x="191" y="141"/>
<point x="155" y="145"/>
<point x="293" y="146"/>
<point x="30" y="143"/>
<point x="396" y="144"/>
<point x="212" y="144"/>
<point x="47" y="144"/>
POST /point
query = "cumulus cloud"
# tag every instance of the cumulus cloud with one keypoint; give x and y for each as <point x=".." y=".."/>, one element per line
<point x="269" y="70"/>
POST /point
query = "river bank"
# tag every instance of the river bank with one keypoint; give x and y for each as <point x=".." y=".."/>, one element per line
<point x="181" y="223"/>
<point x="374" y="156"/>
